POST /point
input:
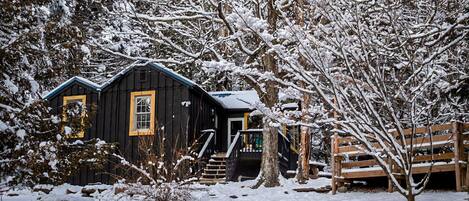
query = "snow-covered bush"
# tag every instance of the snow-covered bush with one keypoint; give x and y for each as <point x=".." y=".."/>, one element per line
<point x="157" y="175"/>
<point x="156" y="163"/>
<point x="42" y="43"/>
<point x="162" y="192"/>
<point x="35" y="149"/>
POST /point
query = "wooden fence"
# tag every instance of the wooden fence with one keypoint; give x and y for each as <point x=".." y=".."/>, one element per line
<point x="449" y="141"/>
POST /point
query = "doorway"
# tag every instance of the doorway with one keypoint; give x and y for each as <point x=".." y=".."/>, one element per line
<point x="234" y="125"/>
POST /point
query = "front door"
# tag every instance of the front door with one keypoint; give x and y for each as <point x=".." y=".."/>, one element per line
<point x="234" y="125"/>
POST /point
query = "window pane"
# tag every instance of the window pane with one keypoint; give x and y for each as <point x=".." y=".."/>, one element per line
<point x="142" y="112"/>
<point x="143" y="121"/>
<point x="143" y="104"/>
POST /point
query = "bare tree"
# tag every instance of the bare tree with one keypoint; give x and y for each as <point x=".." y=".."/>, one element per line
<point x="388" y="66"/>
<point x="222" y="37"/>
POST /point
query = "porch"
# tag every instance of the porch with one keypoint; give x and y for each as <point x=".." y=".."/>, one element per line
<point x="243" y="157"/>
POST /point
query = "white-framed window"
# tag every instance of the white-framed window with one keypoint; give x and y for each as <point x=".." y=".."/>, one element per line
<point x="142" y="113"/>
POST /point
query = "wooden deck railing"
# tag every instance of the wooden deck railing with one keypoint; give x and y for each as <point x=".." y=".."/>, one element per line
<point x="448" y="142"/>
<point x="247" y="145"/>
<point x="232" y="157"/>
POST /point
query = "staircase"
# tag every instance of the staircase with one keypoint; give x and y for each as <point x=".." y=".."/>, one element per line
<point x="214" y="171"/>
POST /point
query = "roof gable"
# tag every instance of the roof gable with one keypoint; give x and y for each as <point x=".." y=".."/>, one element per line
<point x="76" y="79"/>
<point x="102" y="87"/>
<point x="166" y="71"/>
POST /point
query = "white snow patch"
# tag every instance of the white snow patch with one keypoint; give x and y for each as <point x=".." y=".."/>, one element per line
<point x="243" y="192"/>
<point x="3" y="126"/>
<point x="236" y="99"/>
<point x="67" y="130"/>
<point x="10" y="86"/>
<point x="21" y="134"/>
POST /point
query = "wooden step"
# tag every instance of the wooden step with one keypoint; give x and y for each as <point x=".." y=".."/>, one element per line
<point x="212" y="169"/>
<point x="216" y="162"/>
<point x="219" y="155"/>
<point x="216" y="158"/>
<point x="208" y="175"/>
<point x="216" y="171"/>
<point x="213" y="166"/>
<point x="212" y="181"/>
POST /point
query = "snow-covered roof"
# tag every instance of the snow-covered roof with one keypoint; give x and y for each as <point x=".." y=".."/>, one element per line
<point x="290" y="106"/>
<point x="236" y="99"/>
<point x="99" y="87"/>
<point x="168" y="72"/>
<point x="84" y="81"/>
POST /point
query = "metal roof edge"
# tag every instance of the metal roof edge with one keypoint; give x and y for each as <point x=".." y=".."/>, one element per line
<point x="87" y="83"/>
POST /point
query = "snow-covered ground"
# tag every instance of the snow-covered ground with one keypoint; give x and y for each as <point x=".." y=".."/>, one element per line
<point x="242" y="191"/>
<point x="235" y="191"/>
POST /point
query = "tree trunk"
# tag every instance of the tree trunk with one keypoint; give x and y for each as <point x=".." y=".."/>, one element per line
<point x="303" y="159"/>
<point x="270" y="162"/>
<point x="305" y="140"/>
<point x="269" y="165"/>
<point x="410" y="197"/>
<point x="305" y="137"/>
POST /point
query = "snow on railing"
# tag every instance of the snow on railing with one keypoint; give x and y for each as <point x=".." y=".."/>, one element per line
<point x="283" y="135"/>
<point x="233" y="144"/>
<point x="207" y="142"/>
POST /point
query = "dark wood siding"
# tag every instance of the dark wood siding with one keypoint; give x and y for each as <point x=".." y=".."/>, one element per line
<point x="169" y="111"/>
<point x="202" y="116"/>
<point x="86" y="174"/>
<point x="111" y="119"/>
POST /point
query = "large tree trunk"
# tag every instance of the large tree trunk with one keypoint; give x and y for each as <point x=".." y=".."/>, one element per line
<point x="411" y="197"/>
<point x="269" y="166"/>
<point x="270" y="163"/>
<point x="305" y="137"/>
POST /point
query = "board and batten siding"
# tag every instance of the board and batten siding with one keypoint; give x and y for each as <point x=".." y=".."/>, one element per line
<point x="180" y="123"/>
<point x="203" y="110"/>
<point x="85" y="174"/>
<point x="114" y="112"/>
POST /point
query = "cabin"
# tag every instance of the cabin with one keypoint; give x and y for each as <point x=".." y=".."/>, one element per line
<point x="150" y="100"/>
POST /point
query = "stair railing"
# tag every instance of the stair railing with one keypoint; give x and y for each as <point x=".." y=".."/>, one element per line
<point x="232" y="157"/>
<point x="287" y="157"/>
<point x="208" y="142"/>
<point x="206" y="150"/>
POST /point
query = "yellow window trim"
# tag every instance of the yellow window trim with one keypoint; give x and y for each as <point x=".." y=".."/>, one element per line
<point x="133" y="95"/>
<point x="246" y="114"/>
<point x="66" y="100"/>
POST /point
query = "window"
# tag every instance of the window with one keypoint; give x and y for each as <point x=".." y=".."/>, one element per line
<point x="73" y="116"/>
<point x="142" y="113"/>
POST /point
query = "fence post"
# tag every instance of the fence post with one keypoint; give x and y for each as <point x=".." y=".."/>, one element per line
<point x="467" y="174"/>
<point x="456" y="130"/>
<point x="333" y="179"/>
<point x="390" y="185"/>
